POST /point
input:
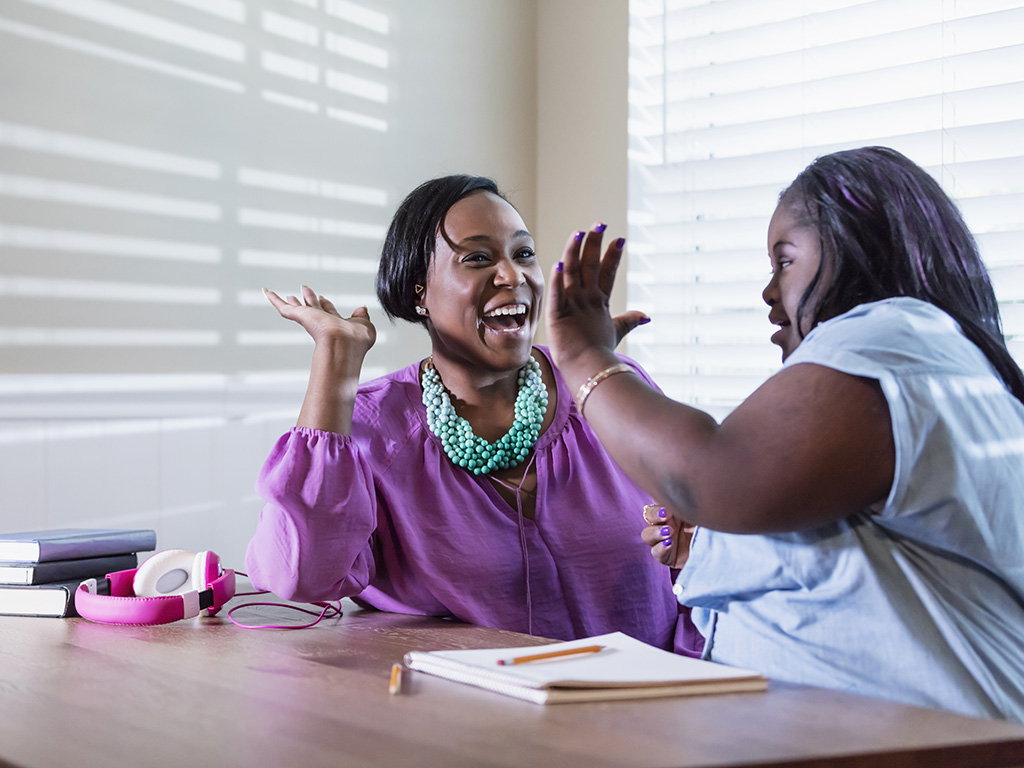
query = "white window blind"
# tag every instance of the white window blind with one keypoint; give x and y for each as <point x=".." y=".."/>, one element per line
<point x="161" y="161"/>
<point x="730" y="99"/>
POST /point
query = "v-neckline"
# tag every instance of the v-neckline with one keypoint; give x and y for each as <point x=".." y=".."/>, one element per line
<point x="517" y="502"/>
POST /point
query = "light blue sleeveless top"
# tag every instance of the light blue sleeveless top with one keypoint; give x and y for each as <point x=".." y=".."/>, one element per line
<point x="923" y="601"/>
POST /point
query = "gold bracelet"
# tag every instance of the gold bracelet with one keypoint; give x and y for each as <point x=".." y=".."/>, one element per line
<point x="597" y="378"/>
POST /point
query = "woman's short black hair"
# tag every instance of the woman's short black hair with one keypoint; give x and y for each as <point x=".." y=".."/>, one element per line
<point x="411" y="238"/>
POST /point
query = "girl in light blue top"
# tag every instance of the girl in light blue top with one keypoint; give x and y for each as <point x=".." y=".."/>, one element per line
<point x="858" y="521"/>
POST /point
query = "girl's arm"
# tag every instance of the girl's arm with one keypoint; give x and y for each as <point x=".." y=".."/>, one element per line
<point x="810" y="446"/>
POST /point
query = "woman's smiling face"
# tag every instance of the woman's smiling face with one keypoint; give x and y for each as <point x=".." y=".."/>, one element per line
<point x="484" y="285"/>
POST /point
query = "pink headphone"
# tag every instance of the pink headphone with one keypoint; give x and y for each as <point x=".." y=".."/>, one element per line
<point x="172" y="585"/>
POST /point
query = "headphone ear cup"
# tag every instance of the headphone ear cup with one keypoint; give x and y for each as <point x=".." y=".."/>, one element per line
<point x="166" y="573"/>
<point x="205" y="568"/>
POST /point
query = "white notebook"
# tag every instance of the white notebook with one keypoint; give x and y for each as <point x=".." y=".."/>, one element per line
<point x="624" y="668"/>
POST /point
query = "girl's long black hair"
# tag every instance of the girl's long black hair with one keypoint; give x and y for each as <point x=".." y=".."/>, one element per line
<point x="887" y="229"/>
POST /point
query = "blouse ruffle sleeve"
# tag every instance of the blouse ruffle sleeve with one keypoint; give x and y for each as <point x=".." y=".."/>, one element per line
<point x="313" y="540"/>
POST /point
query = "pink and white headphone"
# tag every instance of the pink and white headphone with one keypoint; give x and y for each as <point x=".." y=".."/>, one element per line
<point x="171" y="585"/>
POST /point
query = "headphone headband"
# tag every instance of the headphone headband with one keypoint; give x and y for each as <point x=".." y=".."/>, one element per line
<point x="122" y="606"/>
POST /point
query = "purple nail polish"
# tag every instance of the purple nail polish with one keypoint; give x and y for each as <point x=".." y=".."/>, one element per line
<point x="644" y="320"/>
<point x="665" y="531"/>
<point x="559" y="267"/>
<point x="667" y="543"/>
<point x="661" y="513"/>
<point x="578" y="236"/>
<point x="620" y="243"/>
<point x="600" y="227"/>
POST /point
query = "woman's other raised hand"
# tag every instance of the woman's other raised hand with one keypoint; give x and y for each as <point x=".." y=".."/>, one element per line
<point x="341" y="345"/>
<point x="322" y="321"/>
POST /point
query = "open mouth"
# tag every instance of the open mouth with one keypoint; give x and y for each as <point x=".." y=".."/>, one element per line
<point x="777" y="337"/>
<point x="782" y="325"/>
<point x="510" y="317"/>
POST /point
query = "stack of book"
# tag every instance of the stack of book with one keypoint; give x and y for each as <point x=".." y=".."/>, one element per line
<point x="40" y="570"/>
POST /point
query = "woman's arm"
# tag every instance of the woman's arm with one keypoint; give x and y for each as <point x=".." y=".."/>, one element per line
<point x="313" y="537"/>
<point x="313" y="540"/>
<point x="340" y="346"/>
<point x="811" y="445"/>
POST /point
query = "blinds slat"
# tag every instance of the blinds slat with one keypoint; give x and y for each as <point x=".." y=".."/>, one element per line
<point x="732" y="98"/>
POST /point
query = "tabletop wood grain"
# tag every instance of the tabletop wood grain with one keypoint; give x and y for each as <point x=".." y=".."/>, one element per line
<point x="205" y="692"/>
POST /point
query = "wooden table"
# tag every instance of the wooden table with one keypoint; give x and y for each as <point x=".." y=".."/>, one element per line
<point x="204" y="692"/>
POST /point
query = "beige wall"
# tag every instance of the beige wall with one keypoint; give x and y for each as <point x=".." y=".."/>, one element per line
<point x="531" y="92"/>
<point x="582" y="49"/>
<point x="465" y="102"/>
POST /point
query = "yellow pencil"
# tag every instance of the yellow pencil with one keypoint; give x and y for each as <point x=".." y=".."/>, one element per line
<point x="396" y="679"/>
<point x="551" y="655"/>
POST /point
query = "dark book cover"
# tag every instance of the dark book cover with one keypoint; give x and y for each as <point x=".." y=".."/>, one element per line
<point x="73" y="543"/>
<point x="63" y="570"/>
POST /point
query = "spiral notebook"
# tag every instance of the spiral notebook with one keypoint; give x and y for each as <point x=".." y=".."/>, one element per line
<point x="624" y="668"/>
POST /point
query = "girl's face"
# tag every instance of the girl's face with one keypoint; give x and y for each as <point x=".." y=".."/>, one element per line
<point x="484" y="286"/>
<point x="795" y="255"/>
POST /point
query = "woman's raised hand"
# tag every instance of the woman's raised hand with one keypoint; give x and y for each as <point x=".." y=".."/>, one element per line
<point x="324" y="323"/>
<point x="341" y="345"/>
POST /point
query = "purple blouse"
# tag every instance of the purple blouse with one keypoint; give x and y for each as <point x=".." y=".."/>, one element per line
<point x="385" y="517"/>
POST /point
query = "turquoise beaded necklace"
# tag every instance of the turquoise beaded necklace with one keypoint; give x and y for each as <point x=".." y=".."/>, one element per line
<point x="474" y="453"/>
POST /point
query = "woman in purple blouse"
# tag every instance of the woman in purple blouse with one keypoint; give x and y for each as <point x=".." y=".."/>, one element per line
<point x="466" y="484"/>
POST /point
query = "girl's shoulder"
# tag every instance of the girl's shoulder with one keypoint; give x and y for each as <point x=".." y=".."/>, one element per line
<point x="900" y="313"/>
<point x="897" y="334"/>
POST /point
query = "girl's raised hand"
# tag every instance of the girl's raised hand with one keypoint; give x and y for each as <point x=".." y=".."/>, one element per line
<point x="581" y="286"/>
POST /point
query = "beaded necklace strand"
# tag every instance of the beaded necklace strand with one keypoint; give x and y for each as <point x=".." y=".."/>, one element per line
<point x="467" y="449"/>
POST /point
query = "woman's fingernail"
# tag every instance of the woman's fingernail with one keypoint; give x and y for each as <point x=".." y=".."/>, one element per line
<point x="667" y="543"/>
<point x="620" y="243"/>
<point x="665" y="531"/>
<point x="265" y="291"/>
<point x="600" y="227"/>
<point x="578" y="236"/>
<point x="559" y="267"/>
<point x="661" y="513"/>
<point x="644" y="321"/>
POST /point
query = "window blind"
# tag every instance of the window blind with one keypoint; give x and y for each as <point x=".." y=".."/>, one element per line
<point x="730" y="99"/>
<point x="162" y="161"/>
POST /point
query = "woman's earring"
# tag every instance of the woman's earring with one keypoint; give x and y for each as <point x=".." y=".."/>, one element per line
<point x="421" y="310"/>
<point x="418" y="288"/>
